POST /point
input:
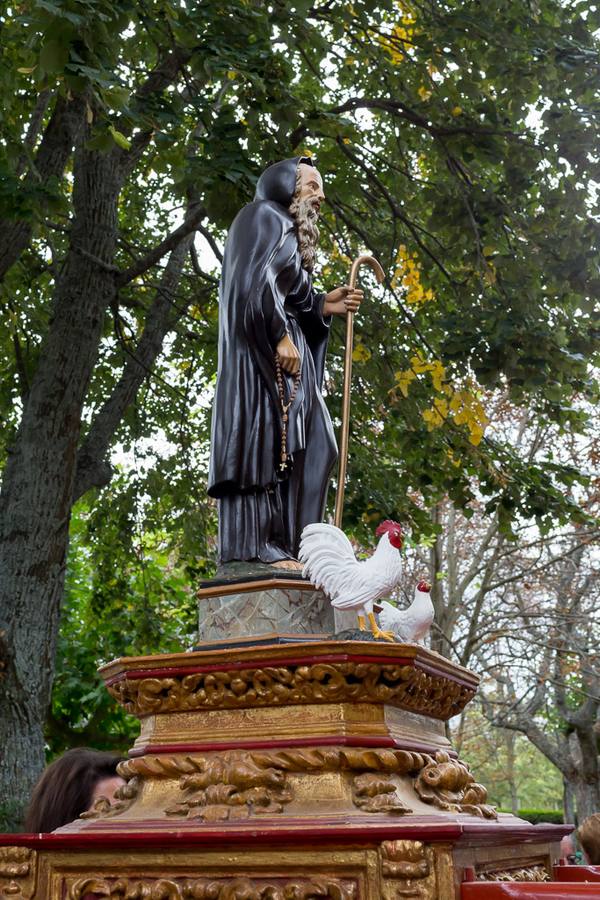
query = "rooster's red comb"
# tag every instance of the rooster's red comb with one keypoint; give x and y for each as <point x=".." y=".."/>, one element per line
<point x="388" y="525"/>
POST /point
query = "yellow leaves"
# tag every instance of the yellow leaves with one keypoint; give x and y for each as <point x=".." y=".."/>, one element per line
<point x="419" y="365"/>
<point x="463" y="406"/>
<point x="232" y="74"/>
<point x="423" y="165"/>
<point x="346" y="141"/>
<point x="407" y="275"/>
<point x="424" y="93"/>
<point x="438" y="374"/>
<point x="305" y="152"/>
<point x="403" y="380"/>
<point x="437" y="415"/>
<point x="489" y="275"/>
<point x="361" y="353"/>
<point x="468" y="410"/>
<point x="401" y="35"/>
<point x="456" y="111"/>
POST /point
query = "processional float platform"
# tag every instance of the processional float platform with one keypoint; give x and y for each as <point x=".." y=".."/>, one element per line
<point x="286" y="768"/>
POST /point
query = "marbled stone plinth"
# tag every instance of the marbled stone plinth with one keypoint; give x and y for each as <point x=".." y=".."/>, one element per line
<point x="258" y="607"/>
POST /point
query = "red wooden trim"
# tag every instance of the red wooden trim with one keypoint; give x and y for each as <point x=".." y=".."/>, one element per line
<point x="210" y="836"/>
<point x="258" y="663"/>
<point x="325" y="831"/>
<point x="548" y="890"/>
<point x="273" y="654"/>
<point x="577" y="873"/>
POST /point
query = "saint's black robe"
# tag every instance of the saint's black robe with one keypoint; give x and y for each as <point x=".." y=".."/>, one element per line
<point x="264" y="293"/>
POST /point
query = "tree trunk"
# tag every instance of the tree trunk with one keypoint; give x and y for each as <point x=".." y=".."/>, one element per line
<point x="37" y="488"/>
<point x="511" y="756"/>
<point x="568" y="802"/>
<point x="587" y="798"/>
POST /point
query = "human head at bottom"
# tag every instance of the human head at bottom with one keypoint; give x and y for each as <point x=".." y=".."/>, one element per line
<point x="71" y="785"/>
<point x="589" y="838"/>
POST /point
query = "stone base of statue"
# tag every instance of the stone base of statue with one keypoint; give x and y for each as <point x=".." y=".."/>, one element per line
<point x="287" y="771"/>
<point x="263" y="603"/>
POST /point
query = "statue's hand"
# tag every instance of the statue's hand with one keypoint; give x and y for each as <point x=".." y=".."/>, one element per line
<point x="342" y="300"/>
<point x="289" y="356"/>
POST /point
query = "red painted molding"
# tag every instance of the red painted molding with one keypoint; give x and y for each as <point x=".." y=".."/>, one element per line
<point x="577" y="873"/>
<point x="299" y="832"/>
<point x="258" y="663"/>
<point x="548" y="890"/>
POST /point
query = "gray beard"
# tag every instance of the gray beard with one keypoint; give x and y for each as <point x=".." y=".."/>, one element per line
<point x="306" y="217"/>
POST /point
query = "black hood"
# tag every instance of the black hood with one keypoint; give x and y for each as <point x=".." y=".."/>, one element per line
<point x="278" y="182"/>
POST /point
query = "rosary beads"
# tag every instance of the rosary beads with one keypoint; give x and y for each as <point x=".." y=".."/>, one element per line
<point x="285" y="459"/>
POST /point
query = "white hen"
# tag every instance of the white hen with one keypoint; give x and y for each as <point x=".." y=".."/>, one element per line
<point x="412" y="624"/>
<point x="330" y="564"/>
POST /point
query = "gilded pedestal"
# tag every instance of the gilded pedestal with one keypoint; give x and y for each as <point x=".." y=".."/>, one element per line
<point x="312" y="769"/>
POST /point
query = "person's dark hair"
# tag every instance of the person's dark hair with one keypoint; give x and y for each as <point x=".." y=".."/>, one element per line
<point x="589" y="838"/>
<point x="66" y="787"/>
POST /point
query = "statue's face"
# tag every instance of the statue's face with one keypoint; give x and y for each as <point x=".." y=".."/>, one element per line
<point x="311" y="186"/>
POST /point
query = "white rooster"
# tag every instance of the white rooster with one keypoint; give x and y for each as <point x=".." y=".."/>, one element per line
<point x="331" y="565"/>
<point x="409" y="625"/>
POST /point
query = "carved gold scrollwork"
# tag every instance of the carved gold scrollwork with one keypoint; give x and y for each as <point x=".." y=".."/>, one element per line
<point x="407" y="871"/>
<point x="125" y="795"/>
<point x="231" y="785"/>
<point x="215" y="889"/>
<point x="447" y="784"/>
<point x="17" y="873"/>
<point x="405" y="686"/>
<point x="376" y="793"/>
<point x="531" y="873"/>
<point x="238" y="784"/>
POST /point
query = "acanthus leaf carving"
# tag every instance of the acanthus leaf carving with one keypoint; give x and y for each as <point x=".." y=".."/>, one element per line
<point x="17" y="872"/>
<point x="407" y="871"/>
<point x="376" y="793"/>
<point x="405" y="686"/>
<point x="125" y="796"/>
<point x="239" y="784"/>
<point x="447" y="784"/>
<point x="215" y="888"/>
<point x="231" y="785"/>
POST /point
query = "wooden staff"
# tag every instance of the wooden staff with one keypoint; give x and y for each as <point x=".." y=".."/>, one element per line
<point x="345" y="430"/>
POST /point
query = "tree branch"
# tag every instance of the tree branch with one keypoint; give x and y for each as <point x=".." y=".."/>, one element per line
<point x="169" y="243"/>
<point x="35" y="123"/>
<point x="55" y="148"/>
<point x="93" y="470"/>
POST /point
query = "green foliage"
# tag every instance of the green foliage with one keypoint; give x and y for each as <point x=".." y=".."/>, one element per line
<point x="127" y="594"/>
<point x="535" y="816"/>
<point x="11" y="818"/>
<point x="535" y="781"/>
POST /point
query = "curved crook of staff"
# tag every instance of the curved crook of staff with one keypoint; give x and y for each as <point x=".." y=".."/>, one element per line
<point x="339" y="500"/>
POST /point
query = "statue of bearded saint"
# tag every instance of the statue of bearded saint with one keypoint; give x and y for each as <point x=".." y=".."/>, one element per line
<point x="272" y="442"/>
